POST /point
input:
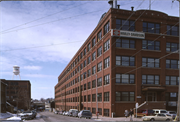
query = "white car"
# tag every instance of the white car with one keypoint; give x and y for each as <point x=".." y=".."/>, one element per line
<point x="14" y="118"/>
<point x="172" y="113"/>
<point x="26" y="115"/>
<point x="157" y="117"/>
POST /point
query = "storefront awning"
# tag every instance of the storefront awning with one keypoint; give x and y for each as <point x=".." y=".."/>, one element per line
<point x="153" y="89"/>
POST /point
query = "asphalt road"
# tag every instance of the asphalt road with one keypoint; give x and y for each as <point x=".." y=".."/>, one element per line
<point x="47" y="116"/>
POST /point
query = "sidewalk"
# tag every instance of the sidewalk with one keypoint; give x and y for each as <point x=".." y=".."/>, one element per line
<point x="100" y="118"/>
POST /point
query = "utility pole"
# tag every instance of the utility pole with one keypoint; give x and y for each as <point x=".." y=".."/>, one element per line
<point x="80" y="90"/>
<point x="96" y="97"/>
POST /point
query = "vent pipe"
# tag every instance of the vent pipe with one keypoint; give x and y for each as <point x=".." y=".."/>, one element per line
<point x="110" y="3"/>
<point x="118" y="6"/>
<point x="114" y="3"/>
<point x="132" y="8"/>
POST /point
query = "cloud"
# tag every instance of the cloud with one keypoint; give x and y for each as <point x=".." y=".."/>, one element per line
<point x="32" y="67"/>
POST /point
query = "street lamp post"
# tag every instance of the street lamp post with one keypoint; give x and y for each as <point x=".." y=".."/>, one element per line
<point x="80" y="90"/>
<point x="96" y="97"/>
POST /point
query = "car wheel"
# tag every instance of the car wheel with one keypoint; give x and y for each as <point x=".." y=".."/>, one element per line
<point x="167" y="119"/>
<point x="89" y="117"/>
<point x="152" y="119"/>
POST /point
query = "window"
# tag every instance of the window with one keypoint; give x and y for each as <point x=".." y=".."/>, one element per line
<point x="125" y="78"/>
<point x="99" y="51"/>
<point x="99" y="36"/>
<point x="171" y="96"/>
<point x="93" y="56"/>
<point x="125" y="60"/>
<point x="106" y="112"/>
<point x="125" y="25"/>
<point x="81" y="55"/>
<point x="150" y="45"/>
<point x="124" y="96"/>
<point x="106" y="62"/>
<point x="99" y="66"/>
<point x="125" y="43"/>
<point x="84" y="51"/>
<point x="84" y="75"/>
<point x="93" y="97"/>
<point x="89" y="98"/>
<point x="99" y="82"/>
<point x="85" y="63"/>
<point x="81" y="66"/>
<point x="84" y="98"/>
<point x="171" y="47"/>
<point x="99" y="97"/>
<point x="88" y="47"/>
<point x="88" y="72"/>
<point x="106" y="28"/>
<point x="93" y="42"/>
<point x="81" y="77"/>
<point x="93" y="70"/>
<point x="173" y="64"/>
<point x="106" y="96"/>
<point x="89" y="85"/>
<point x="94" y="110"/>
<point x="93" y="83"/>
<point x="172" y="30"/>
<point x="100" y="111"/>
<point x="106" y="79"/>
<point x="151" y="27"/>
<point x="172" y="80"/>
<point x="150" y="62"/>
<point x="89" y="60"/>
<point x="150" y="79"/>
<point x="84" y="86"/>
<point x="106" y="45"/>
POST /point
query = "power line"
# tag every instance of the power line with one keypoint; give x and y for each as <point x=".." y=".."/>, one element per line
<point x="38" y="46"/>
<point x="51" y="22"/>
<point x="41" y="18"/>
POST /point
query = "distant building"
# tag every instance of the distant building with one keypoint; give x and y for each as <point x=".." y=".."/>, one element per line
<point x="3" y="97"/>
<point x="18" y="93"/>
<point x="135" y="61"/>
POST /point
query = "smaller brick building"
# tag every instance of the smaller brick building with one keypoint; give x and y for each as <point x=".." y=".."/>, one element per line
<point x="18" y="93"/>
<point x="3" y="97"/>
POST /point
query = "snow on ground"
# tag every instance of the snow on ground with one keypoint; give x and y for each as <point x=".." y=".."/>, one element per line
<point x="6" y="115"/>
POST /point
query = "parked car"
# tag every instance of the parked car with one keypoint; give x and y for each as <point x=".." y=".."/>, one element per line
<point x="157" y="117"/>
<point x="67" y="113"/>
<point x="64" y="113"/>
<point x="56" y="111"/>
<point x="160" y="111"/>
<point x="14" y="118"/>
<point x="75" y="114"/>
<point x="172" y="114"/>
<point x="144" y="112"/>
<point x="85" y="114"/>
<point x="71" y="111"/>
<point x="60" y="112"/>
<point x="34" y="113"/>
<point x="26" y="115"/>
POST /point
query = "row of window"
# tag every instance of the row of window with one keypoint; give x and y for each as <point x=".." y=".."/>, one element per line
<point x="150" y="27"/>
<point x="146" y="62"/>
<point x="146" y="79"/>
<point x="146" y="44"/>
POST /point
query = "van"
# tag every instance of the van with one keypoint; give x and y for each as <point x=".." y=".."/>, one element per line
<point x="160" y="111"/>
<point x="71" y="111"/>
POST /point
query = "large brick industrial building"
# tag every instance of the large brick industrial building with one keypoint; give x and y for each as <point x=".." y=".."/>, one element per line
<point x="135" y="61"/>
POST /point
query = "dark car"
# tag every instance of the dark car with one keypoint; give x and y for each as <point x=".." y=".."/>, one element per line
<point x="85" y="114"/>
<point x="144" y="112"/>
<point x="75" y="113"/>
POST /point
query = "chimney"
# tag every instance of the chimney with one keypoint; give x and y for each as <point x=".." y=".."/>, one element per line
<point x="118" y="6"/>
<point x="132" y="8"/>
<point x="114" y="3"/>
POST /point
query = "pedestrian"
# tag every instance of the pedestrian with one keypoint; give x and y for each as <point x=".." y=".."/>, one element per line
<point x="126" y="113"/>
<point x="130" y="114"/>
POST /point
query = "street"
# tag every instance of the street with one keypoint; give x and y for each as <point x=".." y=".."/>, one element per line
<point x="51" y="117"/>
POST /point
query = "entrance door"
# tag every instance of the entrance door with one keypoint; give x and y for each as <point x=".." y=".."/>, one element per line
<point x="151" y="96"/>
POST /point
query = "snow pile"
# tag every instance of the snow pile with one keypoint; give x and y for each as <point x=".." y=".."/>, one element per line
<point x="6" y="115"/>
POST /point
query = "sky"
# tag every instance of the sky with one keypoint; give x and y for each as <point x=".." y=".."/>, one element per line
<point x="41" y="37"/>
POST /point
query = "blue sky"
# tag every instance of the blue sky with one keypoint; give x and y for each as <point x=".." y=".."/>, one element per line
<point x="47" y="34"/>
